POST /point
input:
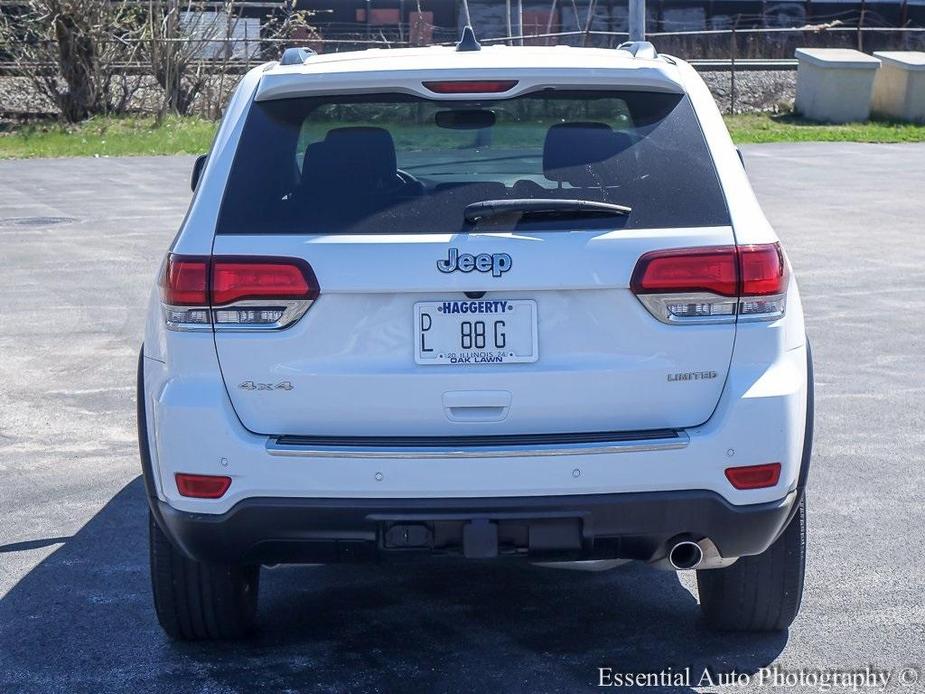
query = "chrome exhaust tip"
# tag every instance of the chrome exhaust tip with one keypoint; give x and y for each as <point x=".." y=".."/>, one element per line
<point x="685" y="555"/>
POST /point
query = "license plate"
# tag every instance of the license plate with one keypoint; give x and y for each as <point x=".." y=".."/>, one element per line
<point x="475" y="331"/>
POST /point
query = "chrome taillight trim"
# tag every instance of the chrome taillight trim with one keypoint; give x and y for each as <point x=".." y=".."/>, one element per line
<point x="177" y="326"/>
<point x="657" y="305"/>
<point x="763" y="317"/>
<point x="293" y="310"/>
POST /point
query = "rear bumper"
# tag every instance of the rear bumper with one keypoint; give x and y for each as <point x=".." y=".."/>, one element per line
<point x="761" y="418"/>
<point x="601" y="526"/>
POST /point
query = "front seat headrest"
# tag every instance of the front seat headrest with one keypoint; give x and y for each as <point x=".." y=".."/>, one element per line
<point x="360" y="155"/>
<point x="578" y="153"/>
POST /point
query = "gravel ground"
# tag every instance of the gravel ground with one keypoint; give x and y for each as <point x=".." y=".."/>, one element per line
<point x="755" y="90"/>
<point x="19" y="97"/>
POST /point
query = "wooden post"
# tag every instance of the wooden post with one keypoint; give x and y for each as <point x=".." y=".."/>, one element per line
<point x="247" y="53"/>
<point x="590" y="18"/>
<point x="369" y="5"/>
<point x="732" y="70"/>
<point x="860" y="25"/>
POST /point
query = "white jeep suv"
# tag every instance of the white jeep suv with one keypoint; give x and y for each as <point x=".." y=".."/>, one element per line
<point x="512" y="302"/>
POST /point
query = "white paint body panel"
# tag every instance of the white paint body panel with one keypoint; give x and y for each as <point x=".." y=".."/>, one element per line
<point x="351" y="357"/>
<point x="364" y="381"/>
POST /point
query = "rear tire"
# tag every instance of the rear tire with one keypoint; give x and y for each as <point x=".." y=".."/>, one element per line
<point x="759" y="593"/>
<point x="196" y="600"/>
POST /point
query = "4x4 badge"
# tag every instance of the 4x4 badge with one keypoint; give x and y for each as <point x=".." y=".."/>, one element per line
<point x="251" y="385"/>
<point x="496" y="263"/>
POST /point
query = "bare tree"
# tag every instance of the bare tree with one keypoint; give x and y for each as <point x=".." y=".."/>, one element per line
<point x="190" y="45"/>
<point x="71" y="51"/>
<point x="289" y="24"/>
<point x="283" y="27"/>
<point x="175" y="49"/>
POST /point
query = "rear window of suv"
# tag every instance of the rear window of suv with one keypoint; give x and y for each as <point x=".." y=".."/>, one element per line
<point x="404" y="164"/>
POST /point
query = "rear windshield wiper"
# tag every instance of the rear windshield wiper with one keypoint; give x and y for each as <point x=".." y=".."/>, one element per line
<point x="543" y="207"/>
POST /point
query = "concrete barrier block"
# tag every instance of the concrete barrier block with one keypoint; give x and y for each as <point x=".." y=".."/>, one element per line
<point x="899" y="89"/>
<point x="834" y="84"/>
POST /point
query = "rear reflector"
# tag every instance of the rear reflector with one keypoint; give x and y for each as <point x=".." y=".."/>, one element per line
<point x="714" y="283"/>
<point x="754" y="476"/>
<point x="202" y="486"/>
<point x="471" y="86"/>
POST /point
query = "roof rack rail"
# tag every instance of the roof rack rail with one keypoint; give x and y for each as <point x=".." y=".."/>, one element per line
<point x="639" y="49"/>
<point x="468" y="42"/>
<point x="295" y="56"/>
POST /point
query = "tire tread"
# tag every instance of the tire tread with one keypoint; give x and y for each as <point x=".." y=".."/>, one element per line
<point x="197" y="600"/>
<point x="762" y="592"/>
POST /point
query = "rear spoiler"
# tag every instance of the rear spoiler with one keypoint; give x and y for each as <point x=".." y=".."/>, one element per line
<point x="290" y="84"/>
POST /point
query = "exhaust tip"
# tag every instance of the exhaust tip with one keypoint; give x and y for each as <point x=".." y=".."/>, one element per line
<point x="685" y="555"/>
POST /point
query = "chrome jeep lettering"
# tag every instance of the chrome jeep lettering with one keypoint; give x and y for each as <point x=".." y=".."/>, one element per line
<point x="496" y="263"/>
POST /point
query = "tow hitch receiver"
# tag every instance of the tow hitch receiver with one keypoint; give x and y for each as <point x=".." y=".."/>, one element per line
<point x="480" y="539"/>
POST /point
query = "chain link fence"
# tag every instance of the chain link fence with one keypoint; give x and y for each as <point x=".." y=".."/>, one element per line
<point x="164" y="56"/>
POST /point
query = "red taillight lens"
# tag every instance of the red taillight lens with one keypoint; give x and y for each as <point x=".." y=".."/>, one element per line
<point x="202" y="486"/>
<point x="686" y="270"/>
<point x="185" y="281"/>
<point x="754" y="476"/>
<point x="235" y="280"/>
<point x="471" y="86"/>
<point x="762" y="270"/>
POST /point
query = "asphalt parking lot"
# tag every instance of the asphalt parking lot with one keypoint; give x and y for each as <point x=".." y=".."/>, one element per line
<point x="80" y="242"/>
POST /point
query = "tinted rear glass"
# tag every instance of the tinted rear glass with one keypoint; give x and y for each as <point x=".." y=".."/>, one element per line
<point x="403" y="164"/>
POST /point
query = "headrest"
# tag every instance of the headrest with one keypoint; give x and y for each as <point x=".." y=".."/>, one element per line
<point x="574" y="152"/>
<point x="362" y="154"/>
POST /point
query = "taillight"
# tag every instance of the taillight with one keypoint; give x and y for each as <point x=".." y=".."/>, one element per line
<point x="764" y="282"/>
<point x="754" y="476"/>
<point x="202" y="486"/>
<point x="471" y="86"/>
<point x="235" y="293"/>
<point x="260" y="292"/>
<point x="712" y="284"/>
<point x="185" y="292"/>
<point x="185" y="281"/>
